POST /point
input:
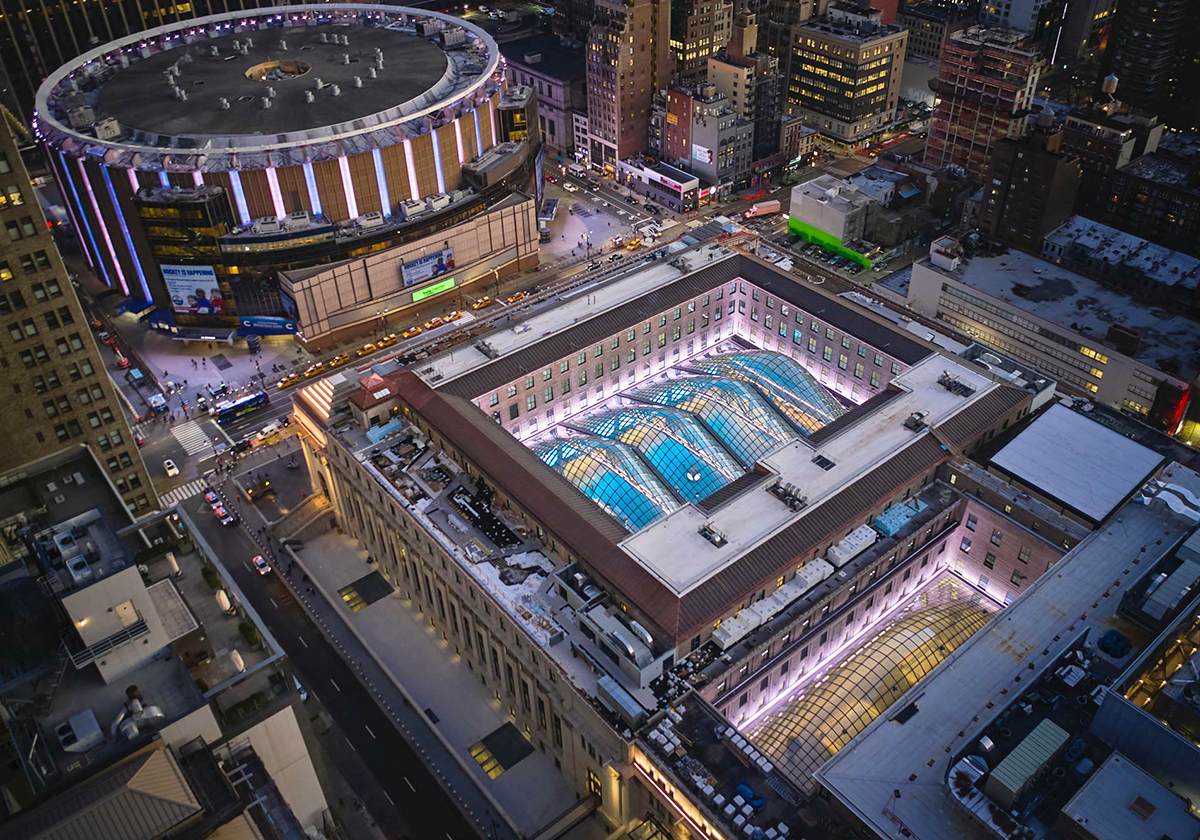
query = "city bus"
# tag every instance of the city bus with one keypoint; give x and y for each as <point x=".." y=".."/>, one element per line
<point x="229" y="410"/>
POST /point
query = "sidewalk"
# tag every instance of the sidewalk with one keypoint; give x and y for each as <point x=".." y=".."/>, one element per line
<point x="450" y="767"/>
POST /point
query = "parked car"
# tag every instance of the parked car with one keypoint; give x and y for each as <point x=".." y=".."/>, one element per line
<point x="593" y="265"/>
<point x="170" y="469"/>
<point x="212" y="498"/>
<point x="614" y="257"/>
<point x="339" y="360"/>
<point x="433" y="322"/>
<point x="315" y="369"/>
<point x="287" y="381"/>
<point x="411" y="332"/>
<point x="366" y="349"/>
<point x="481" y="302"/>
<point x="224" y="516"/>
<point x="261" y="565"/>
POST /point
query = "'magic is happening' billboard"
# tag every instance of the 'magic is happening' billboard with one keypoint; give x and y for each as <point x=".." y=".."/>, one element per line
<point x="194" y="289"/>
<point x="427" y="267"/>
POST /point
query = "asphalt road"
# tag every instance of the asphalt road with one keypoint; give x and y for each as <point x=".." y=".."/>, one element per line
<point x="397" y="789"/>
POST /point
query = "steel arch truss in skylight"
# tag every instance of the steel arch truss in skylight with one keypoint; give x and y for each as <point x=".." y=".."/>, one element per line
<point x="734" y="412"/>
<point x="793" y="391"/>
<point x="674" y="443"/>
<point x="611" y="475"/>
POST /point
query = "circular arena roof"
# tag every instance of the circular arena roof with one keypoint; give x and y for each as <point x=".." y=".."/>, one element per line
<point x="271" y="87"/>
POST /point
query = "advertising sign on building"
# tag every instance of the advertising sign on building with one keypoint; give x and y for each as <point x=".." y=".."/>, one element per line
<point x="701" y="154"/>
<point x="427" y="267"/>
<point x="193" y="289"/>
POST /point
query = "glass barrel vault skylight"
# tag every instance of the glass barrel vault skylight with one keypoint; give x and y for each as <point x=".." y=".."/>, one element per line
<point x="790" y="388"/>
<point x="674" y="443"/>
<point x="735" y="413"/>
<point x="611" y="475"/>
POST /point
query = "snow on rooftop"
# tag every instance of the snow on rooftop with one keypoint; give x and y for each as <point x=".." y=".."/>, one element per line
<point x="1077" y="461"/>
<point x="1080" y="237"/>
<point x="1078" y="303"/>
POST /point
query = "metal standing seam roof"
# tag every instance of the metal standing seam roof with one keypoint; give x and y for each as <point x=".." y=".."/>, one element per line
<point x="140" y="798"/>
<point x="962" y="426"/>
<point x="1028" y="757"/>
<point x="839" y="314"/>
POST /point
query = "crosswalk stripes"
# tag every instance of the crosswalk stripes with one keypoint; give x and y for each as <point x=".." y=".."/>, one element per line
<point x="180" y="493"/>
<point x="191" y="437"/>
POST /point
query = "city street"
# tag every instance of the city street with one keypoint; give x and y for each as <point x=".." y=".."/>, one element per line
<point x="399" y="791"/>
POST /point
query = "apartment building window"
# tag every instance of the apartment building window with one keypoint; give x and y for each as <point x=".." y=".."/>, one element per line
<point x="1023" y="554"/>
<point x="996" y="537"/>
<point x="1017" y="578"/>
<point x="965" y="545"/>
<point x="989" y="560"/>
<point x="972" y="522"/>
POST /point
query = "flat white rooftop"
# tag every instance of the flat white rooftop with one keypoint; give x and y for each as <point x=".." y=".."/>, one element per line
<point x="1071" y="458"/>
<point x="563" y="313"/>
<point x="1077" y="303"/>
<point x="1117" y="248"/>
<point x="672" y="548"/>
<point x="1105" y="804"/>
<point x="952" y="704"/>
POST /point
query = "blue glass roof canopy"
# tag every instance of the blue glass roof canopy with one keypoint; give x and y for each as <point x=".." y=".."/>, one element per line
<point x="674" y="443"/>
<point x="734" y="412"/>
<point x="611" y="475"/>
<point x="783" y="381"/>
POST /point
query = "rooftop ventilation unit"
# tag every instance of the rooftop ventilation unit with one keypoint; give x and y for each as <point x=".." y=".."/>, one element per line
<point x="713" y="536"/>
<point x="823" y="462"/>
<point x="915" y="421"/>
<point x="955" y="385"/>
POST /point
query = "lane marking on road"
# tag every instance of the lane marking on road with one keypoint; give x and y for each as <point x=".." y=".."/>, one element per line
<point x="389" y="799"/>
<point x="350" y="745"/>
<point x="300" y="639"/>
<point x="369" y="732"/>
<point x="410" y="784"/>
<point x="335" y="685"/>
<point x="273" y="604"/>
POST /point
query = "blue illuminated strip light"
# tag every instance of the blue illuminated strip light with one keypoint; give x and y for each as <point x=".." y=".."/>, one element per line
<point x="314" y="197"/>
<point x="112" y="252"/>
<point x="137" y="265"/>
<point x="276" y="194"/>
<point x="385" y="200"/>
<point x="239" y="197"/>
<point x="437" y="161"/>
<point x="163" y="179"/>
<point x="411" y="167"/>
<point x="85" y="227"/>
<point x="478" y="136"/>
<point x="348" y="187"/>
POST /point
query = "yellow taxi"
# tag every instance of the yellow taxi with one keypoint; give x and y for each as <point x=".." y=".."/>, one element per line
<point x="339" y="360"/>
<point x="411" y="332"/>
<point x="365" y="349"/>
<point x="289" y="380"/>
<point x="453" y="316"/>
<point x="433" y="322"/>
<point x="313" y="370"/>
<point x="634" y="245"/>
<point x="389" y="340"/>
<point x="482" y="302"/>
<point x="515" y="298"/>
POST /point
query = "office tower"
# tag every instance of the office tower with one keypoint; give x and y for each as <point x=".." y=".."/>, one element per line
<point x="778" y="17"/>
<point x="1030" y="187"/>
<point x="985" y="87"/>
<point x="929" y="27"/>
<point x="57" y="392"/>
<point x="699" y="29"/>
<point x="705" y="136"/>
<point x="573" y="18"/>
<point x="628" y="59"/>
<point x="1155" y="52"/>
<point x="844" y="76"/>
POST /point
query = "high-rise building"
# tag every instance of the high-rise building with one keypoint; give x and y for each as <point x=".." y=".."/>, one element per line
<point x="1155" y="53"/>
<point x="58" y="393"/>
<point x="1030" y="187"/>
<point x="573" y="18"/>
<point x="844" y="76"/>
<point x="628" y="59"/>
<point x="778" y="17"/>
<point x="1040" y="20"/>
<point x="985" y="86"/>
<point x="751" y="81"/>
<point x="699" y="29"/>
<point x="929" y="27"/>
<point x="1086" y="29"/>
<point x="1106" y="135"/>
